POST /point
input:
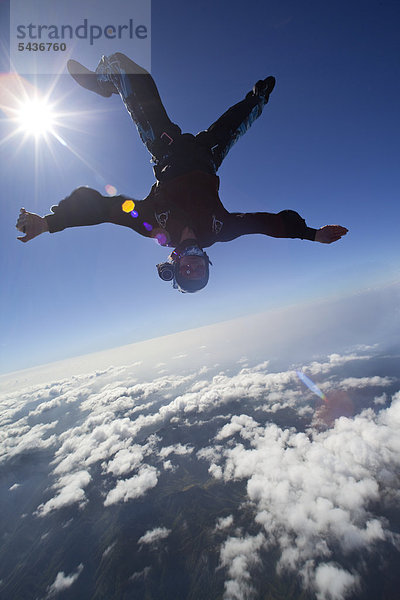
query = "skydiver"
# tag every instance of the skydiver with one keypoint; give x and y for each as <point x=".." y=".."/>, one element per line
<point x="183" y="209"/>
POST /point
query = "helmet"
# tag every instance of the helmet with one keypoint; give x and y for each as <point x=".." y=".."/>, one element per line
<point x="187" y="273"/>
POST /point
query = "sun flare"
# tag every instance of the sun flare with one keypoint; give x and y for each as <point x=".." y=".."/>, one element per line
<point x="35" y="117"/>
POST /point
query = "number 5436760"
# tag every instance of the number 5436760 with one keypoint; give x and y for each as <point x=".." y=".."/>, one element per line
<point x="42" y="47"/>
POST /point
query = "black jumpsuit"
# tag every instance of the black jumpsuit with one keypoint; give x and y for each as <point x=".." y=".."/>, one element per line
<point x="185" y="166"/>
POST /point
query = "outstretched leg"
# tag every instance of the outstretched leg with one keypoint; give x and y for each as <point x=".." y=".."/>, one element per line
<point x="119" y="74"/>
<point x="225" y="132"/>
<point x="142" y="100"/>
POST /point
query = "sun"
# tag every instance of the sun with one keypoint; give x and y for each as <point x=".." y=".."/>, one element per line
<point x="32" y="113"/>
<point x="35" y="116"/>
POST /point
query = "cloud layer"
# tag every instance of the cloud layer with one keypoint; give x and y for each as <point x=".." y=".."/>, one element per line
<point x="316" y="494"/>
<point x="320" y="475"/>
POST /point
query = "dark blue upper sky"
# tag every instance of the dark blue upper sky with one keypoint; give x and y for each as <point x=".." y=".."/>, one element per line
<point x="326" y="146"/>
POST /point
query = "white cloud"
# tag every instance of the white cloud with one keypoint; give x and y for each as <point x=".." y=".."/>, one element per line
<point x="126" y="460"/>
<point x="240" y="423"/>
<point x="100" y="437"/>
<point x="313" y="495"/>
<point x="216" y="471"/>
<point x="363" y="382"/>
<point x="134" y="487"/>
<point x="179" y="449"/>
<point x="168" y="466"/>
<point x="247" y="384"/>
<point x="239" y="555"/>
<point x="263" y="366"/>
<point x="242" y="361"/>
<point x="381" y="400"/>
<point x="224" y="523"/>
<point x="334" y="361"/>
<point x="72" y="488"/>
<point x="154" y="535"/>
<point x="60" y="395"/>
<point x="333" y="583"/>
<point x="63" y="582"/>
<point x="19" y="437"/>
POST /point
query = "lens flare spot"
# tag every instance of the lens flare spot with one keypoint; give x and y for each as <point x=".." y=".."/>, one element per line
<point x="310" y="384"/>
<point x="147" y="226"/>
<point x="128" y="206"/>
<point x="111" y="190"/>
<point x="337" y="403"/>
<point x="134" y="214"/>
<point x="161" y="238"/>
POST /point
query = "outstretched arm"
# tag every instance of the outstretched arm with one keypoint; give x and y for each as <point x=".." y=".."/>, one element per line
<point x="83" y="207"/>
<point x="286" y="224"/>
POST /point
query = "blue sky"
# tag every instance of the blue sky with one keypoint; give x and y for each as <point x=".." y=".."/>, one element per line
<point x="326" y="146"/>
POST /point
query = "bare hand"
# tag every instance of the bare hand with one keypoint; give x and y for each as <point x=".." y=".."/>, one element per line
<point x="30" y="224"/>
<point x="330" y="233"/>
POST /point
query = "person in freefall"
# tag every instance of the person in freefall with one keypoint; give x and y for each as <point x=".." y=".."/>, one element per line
<point x="183" y="209"/>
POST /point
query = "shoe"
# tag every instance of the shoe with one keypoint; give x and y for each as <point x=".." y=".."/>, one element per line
<point x="90" y="80"/>
<point x="264" y="87"/>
